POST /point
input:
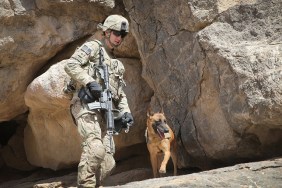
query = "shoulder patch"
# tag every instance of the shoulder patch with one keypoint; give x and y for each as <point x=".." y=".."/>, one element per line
<point x="86" y="49"/>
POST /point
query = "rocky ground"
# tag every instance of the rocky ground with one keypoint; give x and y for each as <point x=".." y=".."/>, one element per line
<point x="256" y="174"/>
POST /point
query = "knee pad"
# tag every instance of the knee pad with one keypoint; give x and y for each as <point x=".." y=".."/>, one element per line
<point x="99" y="151"/>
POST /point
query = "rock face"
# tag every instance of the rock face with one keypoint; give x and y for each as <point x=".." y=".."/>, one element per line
<point x="216" y="74"/>
<point x="215" y="68"/>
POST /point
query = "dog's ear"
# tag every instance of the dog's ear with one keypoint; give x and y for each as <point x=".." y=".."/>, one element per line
<point x="149" y="112"/>
<point x="162" y="110"/>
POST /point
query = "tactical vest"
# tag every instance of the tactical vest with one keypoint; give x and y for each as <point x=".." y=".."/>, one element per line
<point x="115" y="69"/>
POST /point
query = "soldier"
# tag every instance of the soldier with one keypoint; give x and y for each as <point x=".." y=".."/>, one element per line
<point x="97" y="161"/>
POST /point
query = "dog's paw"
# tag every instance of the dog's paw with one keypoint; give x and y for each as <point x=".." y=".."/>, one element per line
<point x="162" y="171"/>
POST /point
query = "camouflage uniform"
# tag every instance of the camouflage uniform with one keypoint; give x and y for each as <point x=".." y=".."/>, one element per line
<point x="97" y="158"/>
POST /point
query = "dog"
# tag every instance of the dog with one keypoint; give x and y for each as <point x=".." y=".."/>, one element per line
<point x="160" y="140"/>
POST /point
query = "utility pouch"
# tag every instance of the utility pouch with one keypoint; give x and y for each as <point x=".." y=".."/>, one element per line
<point x="85" y="95"/>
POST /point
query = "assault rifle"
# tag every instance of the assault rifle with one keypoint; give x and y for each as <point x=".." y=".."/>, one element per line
<point x="105" y="101"/>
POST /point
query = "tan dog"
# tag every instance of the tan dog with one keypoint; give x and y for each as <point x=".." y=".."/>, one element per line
<point x="160" y="138"/>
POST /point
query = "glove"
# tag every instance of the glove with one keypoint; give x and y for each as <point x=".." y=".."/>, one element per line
<point x="123" y="122"/>
<point x="95" y="89"/>
<point x="127" y="119"/>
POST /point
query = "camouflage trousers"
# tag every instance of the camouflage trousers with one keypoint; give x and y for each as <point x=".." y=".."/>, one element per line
<point x="97" y="161"/>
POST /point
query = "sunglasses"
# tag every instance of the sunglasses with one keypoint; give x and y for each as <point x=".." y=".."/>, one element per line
<point x="119" y="33"/>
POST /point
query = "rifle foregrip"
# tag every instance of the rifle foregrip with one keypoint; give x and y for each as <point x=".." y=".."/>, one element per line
<point x="110" y="121"/>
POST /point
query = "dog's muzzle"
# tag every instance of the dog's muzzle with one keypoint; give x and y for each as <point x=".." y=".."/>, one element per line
<point x="160" y="128"/>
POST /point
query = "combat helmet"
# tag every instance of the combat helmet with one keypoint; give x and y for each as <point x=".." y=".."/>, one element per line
<point x="115" y="22"/>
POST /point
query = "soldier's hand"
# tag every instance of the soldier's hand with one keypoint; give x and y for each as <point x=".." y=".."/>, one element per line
<point x="127" y="119"/>
<point x="95" y="89"/>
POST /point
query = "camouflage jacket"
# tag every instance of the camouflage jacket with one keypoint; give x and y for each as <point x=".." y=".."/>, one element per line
<point x="82" y="69"/>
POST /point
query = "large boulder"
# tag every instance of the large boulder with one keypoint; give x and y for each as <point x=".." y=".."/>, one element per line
<point x="31" y="33"/>
<point x="51" y="139"/>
